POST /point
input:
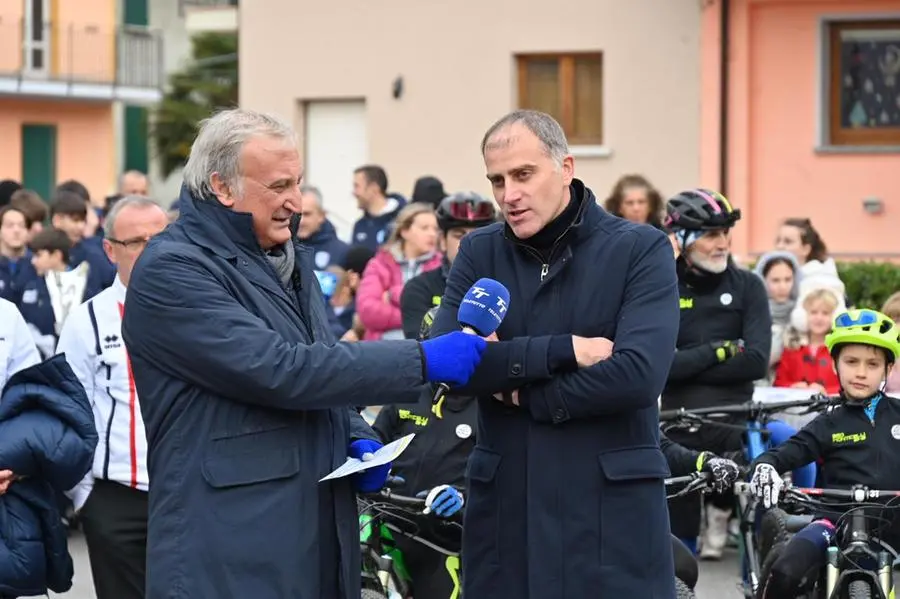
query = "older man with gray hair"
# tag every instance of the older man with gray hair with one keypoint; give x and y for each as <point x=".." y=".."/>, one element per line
<point x="246" y="396"/>
<point x="112" y="499"/>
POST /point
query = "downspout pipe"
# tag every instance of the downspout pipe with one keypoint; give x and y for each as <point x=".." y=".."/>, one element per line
<point x="724" y="81"/>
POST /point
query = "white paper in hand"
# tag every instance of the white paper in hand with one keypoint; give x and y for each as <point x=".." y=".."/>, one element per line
<point x="386" y="454"/>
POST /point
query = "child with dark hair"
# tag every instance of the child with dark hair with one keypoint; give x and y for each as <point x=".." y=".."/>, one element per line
<point x="46" y="300"/>
<point x="68" y="213"/>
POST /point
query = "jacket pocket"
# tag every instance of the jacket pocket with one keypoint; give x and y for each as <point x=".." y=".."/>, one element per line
<point x="481" y="530"/>
<point x="248" y="476"/>
<point x="634" y="518"/>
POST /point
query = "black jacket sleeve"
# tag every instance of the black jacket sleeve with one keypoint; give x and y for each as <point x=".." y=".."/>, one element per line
<point x="633" y="377"/>
<point x="682" y="461"/>
<point x="386" y="423"/>
<point x="807" y="445"/>
<point x="415" y="301"/>
<point x="751" y="364"/>
<point x="360" y="429"/>
<point x="691" y="361"/>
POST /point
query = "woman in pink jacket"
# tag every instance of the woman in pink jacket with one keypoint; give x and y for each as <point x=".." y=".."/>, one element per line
<point x="411" y="250"/>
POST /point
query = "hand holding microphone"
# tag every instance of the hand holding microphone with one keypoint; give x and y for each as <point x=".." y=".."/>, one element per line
<point x="480" y="313"/>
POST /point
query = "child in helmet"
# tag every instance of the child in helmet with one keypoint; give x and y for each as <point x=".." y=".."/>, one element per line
<point x="856" y="443"/>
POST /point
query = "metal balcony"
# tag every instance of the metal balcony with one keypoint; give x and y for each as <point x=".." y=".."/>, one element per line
<point x="81" y="62"/>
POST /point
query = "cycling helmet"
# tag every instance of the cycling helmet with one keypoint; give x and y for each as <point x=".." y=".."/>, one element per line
<point x="466" y="209"/>
<point x="427" y="321"/>
<point x="700" y="210"/>
<point x="864" y="327"/>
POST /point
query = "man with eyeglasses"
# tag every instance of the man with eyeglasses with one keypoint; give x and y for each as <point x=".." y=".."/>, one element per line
<point x="112" y="498"/>
<point x="457" y="215"/>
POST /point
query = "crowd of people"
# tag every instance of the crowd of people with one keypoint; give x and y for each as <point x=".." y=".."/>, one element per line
<point x="226" y="311"/>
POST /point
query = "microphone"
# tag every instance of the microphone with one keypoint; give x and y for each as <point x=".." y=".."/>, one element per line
<point x="480" y="313"/>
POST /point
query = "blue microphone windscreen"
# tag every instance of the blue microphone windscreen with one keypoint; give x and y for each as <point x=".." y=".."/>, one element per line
<point x="327" y="281"/>
<point x="484" y="306"/>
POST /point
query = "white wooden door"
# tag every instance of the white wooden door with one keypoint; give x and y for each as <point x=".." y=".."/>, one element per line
<point x="336" y="144"/>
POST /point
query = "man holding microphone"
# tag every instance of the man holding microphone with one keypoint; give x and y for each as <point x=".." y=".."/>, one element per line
<point x="246" y="398"/>
<point x="565" y="485"/>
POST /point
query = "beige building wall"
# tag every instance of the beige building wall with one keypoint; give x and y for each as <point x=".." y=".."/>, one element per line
<point x="457" y="63"/>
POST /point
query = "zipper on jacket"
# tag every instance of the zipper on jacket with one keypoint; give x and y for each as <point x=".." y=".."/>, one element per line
<point x="109" y="425"/>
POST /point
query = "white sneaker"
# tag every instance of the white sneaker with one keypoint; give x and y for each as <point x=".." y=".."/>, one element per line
<point x="716" y="533"/>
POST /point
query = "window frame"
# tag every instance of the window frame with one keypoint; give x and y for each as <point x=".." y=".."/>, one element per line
<point x="835" y="135"/>
<point x="566" y="66"/>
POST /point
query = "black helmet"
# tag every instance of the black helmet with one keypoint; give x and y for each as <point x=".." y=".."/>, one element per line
<point x="466" y="209"/>
<point x="427" y="321"/>
<point x="700" y="210"/>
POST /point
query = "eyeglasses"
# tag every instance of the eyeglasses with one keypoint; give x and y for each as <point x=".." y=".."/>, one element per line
<point x="130" y="244"/>
<point x="467" y="210"/>
<point x="862" y="319"/>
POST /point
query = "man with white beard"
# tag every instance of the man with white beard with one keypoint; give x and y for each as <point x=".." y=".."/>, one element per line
<point x="724" y="341"/>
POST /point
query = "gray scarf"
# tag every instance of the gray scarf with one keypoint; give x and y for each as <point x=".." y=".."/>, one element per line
<point x="781" y="311"/>
<point x="282" y="260"/>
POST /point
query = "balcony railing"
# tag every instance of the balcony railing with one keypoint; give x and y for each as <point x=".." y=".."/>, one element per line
<point x="127" y="56"/>
<point x="182" y="4"/>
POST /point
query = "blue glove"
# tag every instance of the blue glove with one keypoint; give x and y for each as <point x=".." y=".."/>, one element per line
<point x="452" y="358"/>
<point x="444" y="501"/>
<point x="373" y="479"/>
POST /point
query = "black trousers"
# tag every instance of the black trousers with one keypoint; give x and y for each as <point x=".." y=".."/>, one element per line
<point x="684" y="512"/>
<point x="114" y="519"/>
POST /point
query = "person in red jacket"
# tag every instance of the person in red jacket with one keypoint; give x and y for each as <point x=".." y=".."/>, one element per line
<point x="808" y="365"/>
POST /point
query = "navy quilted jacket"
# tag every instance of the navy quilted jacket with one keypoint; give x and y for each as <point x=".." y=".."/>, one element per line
<point x="47" y="437"/>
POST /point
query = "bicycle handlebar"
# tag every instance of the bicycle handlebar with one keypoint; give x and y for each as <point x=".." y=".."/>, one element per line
<point x="748" y="409"/>
<point x="388" y="496"/>
<point x="858" y="494"/>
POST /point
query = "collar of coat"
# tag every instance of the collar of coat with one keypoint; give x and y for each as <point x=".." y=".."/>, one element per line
<point x="219" y="229"/>
<point x="588" y="217"/>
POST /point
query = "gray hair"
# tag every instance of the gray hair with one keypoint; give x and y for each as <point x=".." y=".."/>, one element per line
<point x="544" y="127"/>
<point x="109" y="223"/>
<point x="312" y="189"/>
<point x="218" y="146"/>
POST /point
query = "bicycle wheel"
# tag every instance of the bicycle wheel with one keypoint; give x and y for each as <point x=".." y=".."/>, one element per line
<point x="773" y="529"/>
<point x="683" y="591"/>
<point x="859" y="589"/>
<point x="766" y="567"/>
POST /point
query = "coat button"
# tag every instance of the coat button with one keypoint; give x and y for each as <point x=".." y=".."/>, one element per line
<point x="516" y="369"/>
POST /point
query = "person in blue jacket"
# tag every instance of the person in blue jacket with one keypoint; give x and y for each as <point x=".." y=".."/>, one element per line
<point x="47" y="298"/>
<point x="15" y="258"/>
<point x="245" y="395"/>
<point x="379" y="207"/>
<point x="566" y="492"/>
<point x="47" y="443"/>
<point x="317" y="232"/>
<point x="68" y="213"/>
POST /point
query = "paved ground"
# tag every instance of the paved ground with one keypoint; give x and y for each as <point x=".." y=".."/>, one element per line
<point x="717" y="580"/>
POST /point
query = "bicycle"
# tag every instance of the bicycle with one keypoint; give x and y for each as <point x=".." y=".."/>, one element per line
<point x="757" y="416"/>
<point x="697" y="482"/>
<point x="860" y="565"/>
<point x="382" y="516"/>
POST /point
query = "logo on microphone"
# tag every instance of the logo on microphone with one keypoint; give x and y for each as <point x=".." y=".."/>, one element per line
<point x="478" y="292"/>
<point x="501" y="305"/>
